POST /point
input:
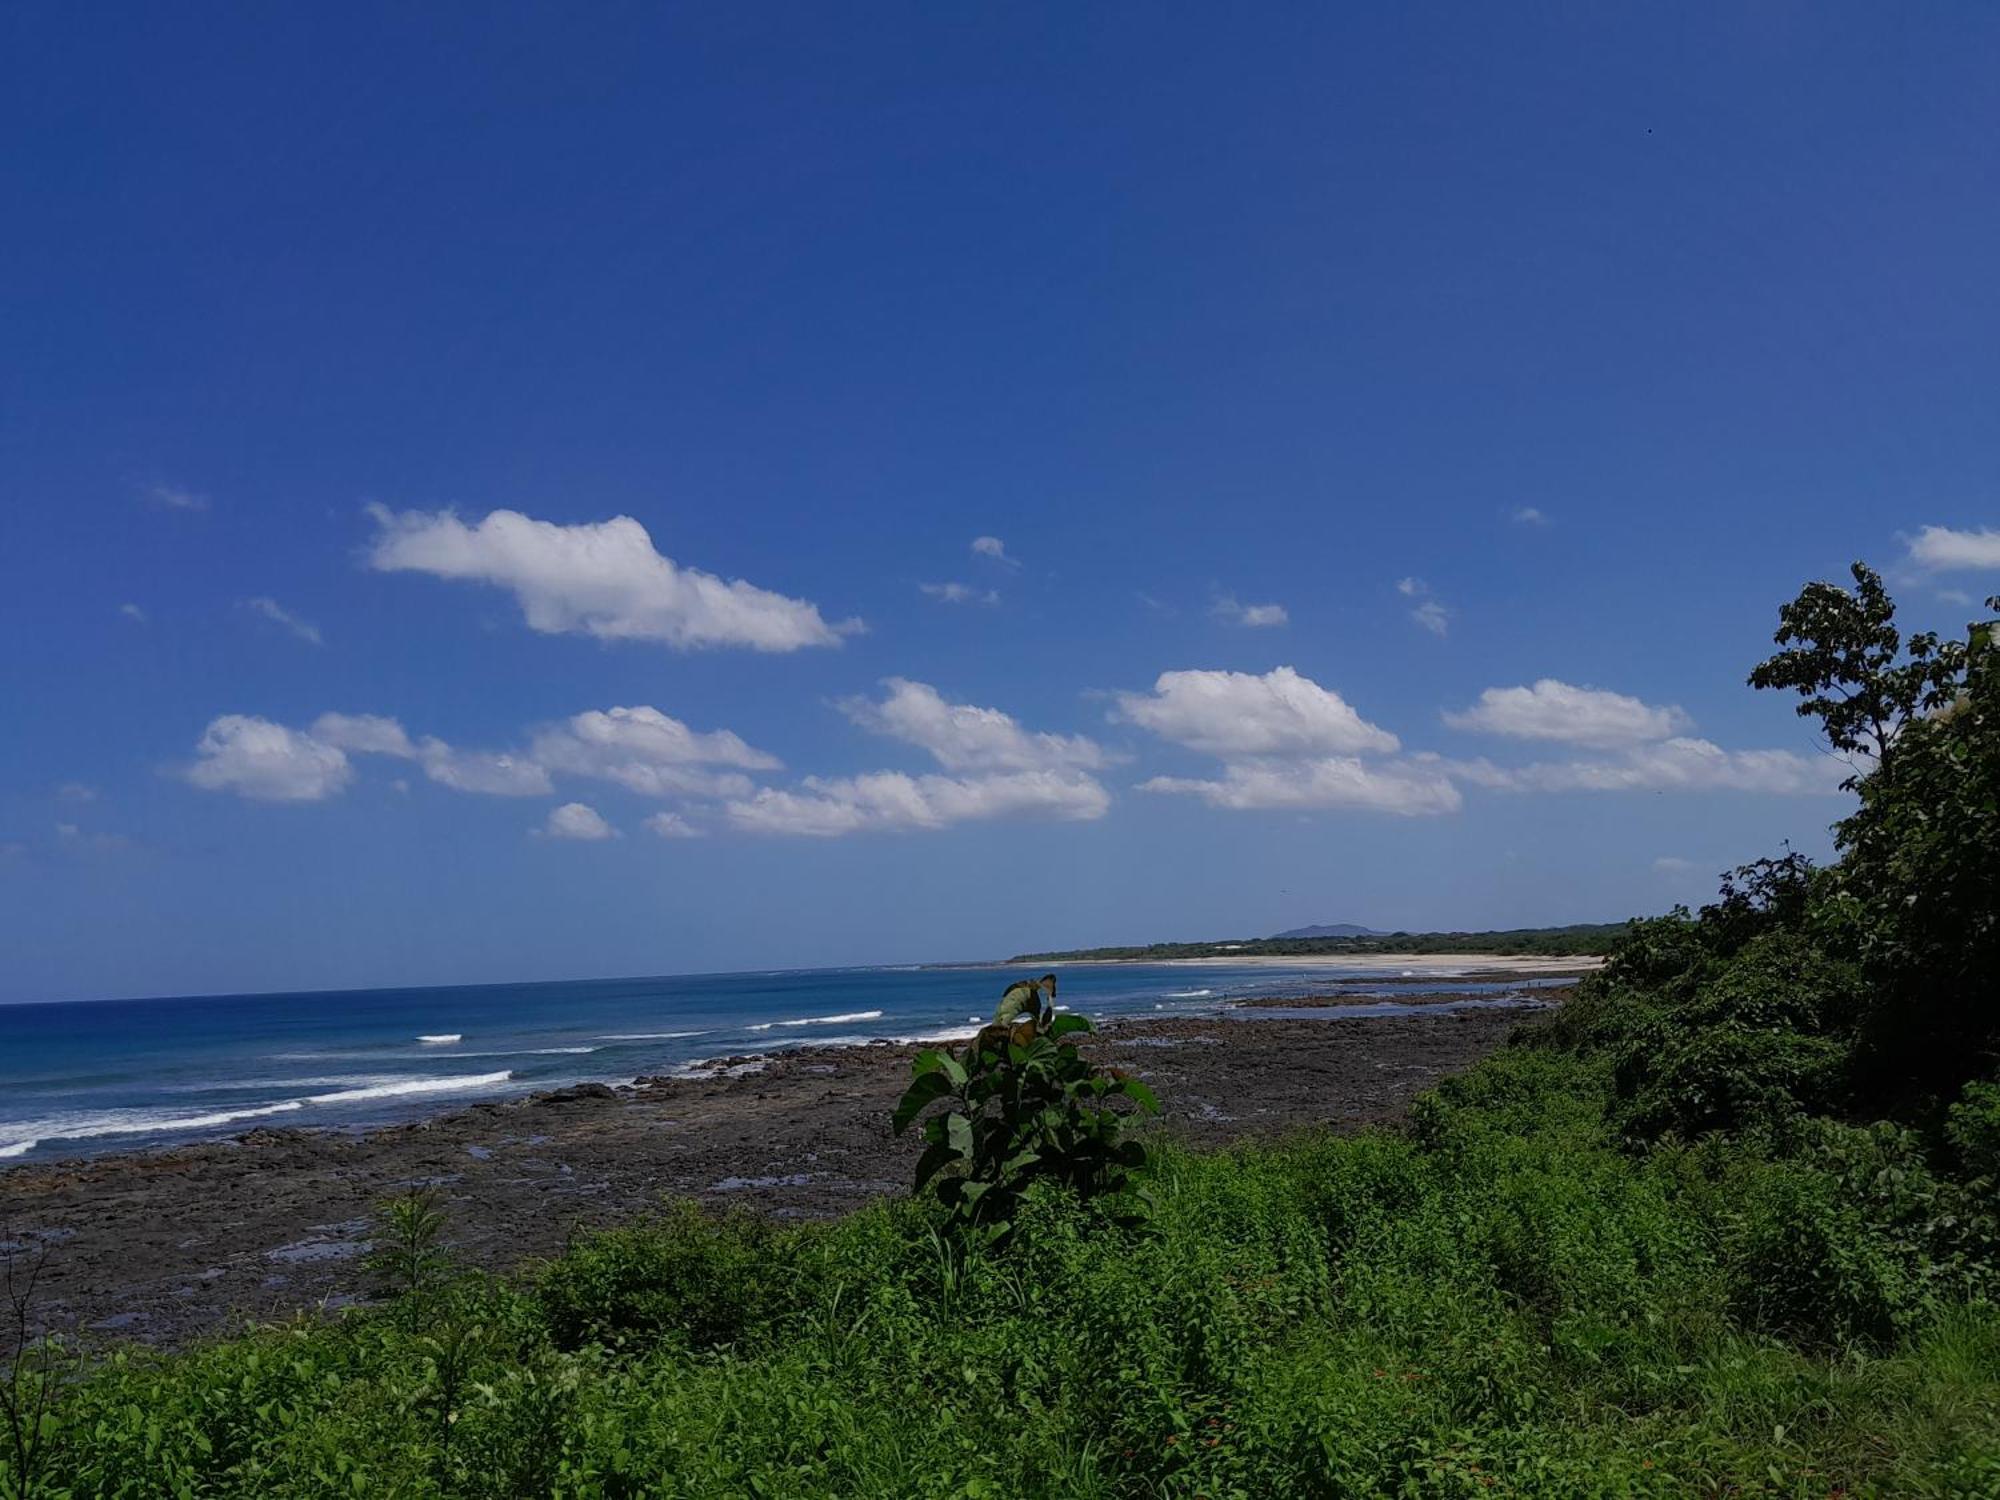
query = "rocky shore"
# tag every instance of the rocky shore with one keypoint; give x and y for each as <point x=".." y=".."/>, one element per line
<point x="164" y="1246"/>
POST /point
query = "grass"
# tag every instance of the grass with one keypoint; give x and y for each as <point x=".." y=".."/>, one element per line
<point x="1497" y="1302"/>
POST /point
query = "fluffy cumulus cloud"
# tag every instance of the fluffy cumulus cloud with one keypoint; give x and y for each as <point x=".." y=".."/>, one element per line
<point x="1326" y="782"/>
<point x="646" y="751"/>
<point x="574" y="820"/>
<point x="1552" y="710"/>
<point x="1227" y="608"/>
<point x="1005" y="771"/>
<point x="1237" y="714"/>
<point x="368" y="734"/>
<point x="1286" y="742"/>
<point x="267" y="762"/>
<point x="1528" y="515"/>
<point x="601" y="578"/>
<point x="1943" y="550"/>
<point x="1648" y="748"/>
<point x="640" y="749"/>
<point x="890" y="801"/>
<point x="963" y="737"/>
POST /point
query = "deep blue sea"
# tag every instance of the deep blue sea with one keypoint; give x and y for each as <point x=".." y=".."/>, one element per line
<point x="113" y="1075"/>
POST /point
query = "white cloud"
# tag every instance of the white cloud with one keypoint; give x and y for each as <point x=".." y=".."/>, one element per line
<point x="638" y="748"/>
<point x="1681" y="764"/>
<point x="890" y="801"/>
<point x="76" y="791"/>
<point x="573" y="820"/>
<point x="1955" y="596"/>
<point x="133" y="612"/>
<point x="602" y="578"/>
<point x="1673" y="864"/>
<point x="1410" y="788"/>
<point x="255" y="758"/>
<point x="1528" y="515"/>
<point x="651" y="753"/>
<point x="490" y="773"/>
<point x="960" y="593"/>
<point x="993" y="547"/>
<point x="1237" y="714"/>
<point x="1251" y="616"/>
<point x="1941" y="549"/>
<point x="1552" y="710"/>
<point x="673" y="826"/>
<point x="1431" y="612"/>
<point x="271" y="610"/>
<point x="174" y="497"/>
<point x="962" y="737"/>
<point x="487" y="772"/>
<point x="369" y="734"/>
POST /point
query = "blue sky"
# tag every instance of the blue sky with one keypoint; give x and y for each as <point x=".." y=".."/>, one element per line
<point x="615" y="401"/>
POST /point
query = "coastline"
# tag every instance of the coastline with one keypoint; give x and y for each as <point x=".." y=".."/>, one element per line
<point x="163" y="1246"/>
<point x="1453" y="965"/>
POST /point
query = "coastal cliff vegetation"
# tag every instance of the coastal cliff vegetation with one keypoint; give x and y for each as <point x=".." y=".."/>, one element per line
<point x="1725" y="1225"/>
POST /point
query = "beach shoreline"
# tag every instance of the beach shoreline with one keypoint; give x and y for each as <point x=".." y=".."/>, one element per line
<point x="1454" y="965"/>
<point x="165" y="1245"/>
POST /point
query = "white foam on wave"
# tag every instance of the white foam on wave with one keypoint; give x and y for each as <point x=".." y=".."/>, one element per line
<point x="948" y="1034"/>
<point x="842" y="1020"/>
<point x="1187" y="994"/>
<point x="81" y="1127"/>
<point x="529" y="1052"/>
<point x="442" y="1038"/>
<point x="24" y="1135"/>
<point x="646" y="1036"/>
<point x="445" y="1085"/>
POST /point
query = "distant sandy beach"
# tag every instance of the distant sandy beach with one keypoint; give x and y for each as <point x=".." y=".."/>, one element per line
<point x="1457" y="965"/>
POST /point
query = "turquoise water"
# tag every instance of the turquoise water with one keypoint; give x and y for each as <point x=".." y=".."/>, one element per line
<point x="119" y="1074"/>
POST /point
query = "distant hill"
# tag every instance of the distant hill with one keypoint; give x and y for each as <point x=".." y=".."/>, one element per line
<point x="1331" y="929"/>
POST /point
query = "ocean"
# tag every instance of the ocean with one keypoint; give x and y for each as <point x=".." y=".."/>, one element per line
<point x="114" y="1075"/>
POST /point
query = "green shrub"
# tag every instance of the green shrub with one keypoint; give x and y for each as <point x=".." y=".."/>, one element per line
<point x="1023" y="1106"/>
<point x="686" y="1279"/>
<point x="1762" y="1038"/>
<point x="1974" y="1131"/>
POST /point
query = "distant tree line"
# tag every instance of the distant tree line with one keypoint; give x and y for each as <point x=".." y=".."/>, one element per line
<point x="1581" y="939"/>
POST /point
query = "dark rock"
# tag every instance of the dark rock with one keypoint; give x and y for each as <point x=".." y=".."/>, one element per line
<point x="576" y="1093"/>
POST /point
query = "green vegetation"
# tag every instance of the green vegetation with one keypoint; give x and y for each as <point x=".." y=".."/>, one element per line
<point x="1729" y="1224"/>
<point x="1584" y="939"/>
<point x="1023" y="1106"/>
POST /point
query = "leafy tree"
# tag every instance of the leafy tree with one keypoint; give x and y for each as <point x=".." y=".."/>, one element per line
<point x="1845" y="659"/>
<point x="1915" y="898"/>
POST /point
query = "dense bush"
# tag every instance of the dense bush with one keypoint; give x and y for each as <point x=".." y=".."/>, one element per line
<point x="1761" y="1036"/>
<point x="693" y="1281"/>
